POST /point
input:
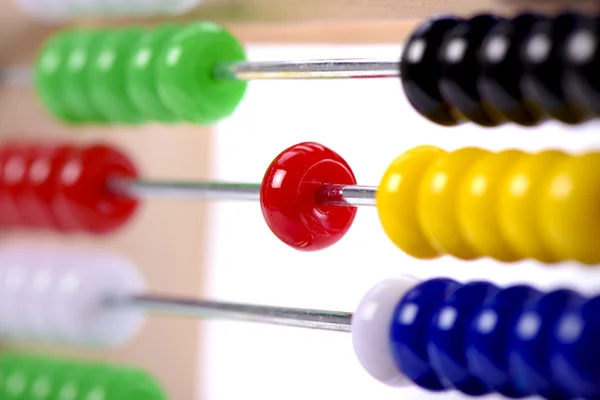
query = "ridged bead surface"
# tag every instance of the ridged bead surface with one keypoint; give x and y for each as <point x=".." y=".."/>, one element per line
<point x="488" y="70"/>
<point x="136" y="75"/>
<point x="480" y="339"/>
<point x="56" y="297"/>
<point x="63" y="188"/>
<point x="508" y="205"/>
<point x="29" y="377"/>
<point x="60" y="11"/>
<point x="289" y="197"/>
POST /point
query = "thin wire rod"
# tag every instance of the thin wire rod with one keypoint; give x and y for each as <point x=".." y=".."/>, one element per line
<point x="265" y="70"/>
<point x="335" y="195"/>
<point x="295" y="317"/>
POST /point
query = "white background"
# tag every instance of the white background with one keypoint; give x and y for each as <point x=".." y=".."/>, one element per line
<point x="369" y="123"/>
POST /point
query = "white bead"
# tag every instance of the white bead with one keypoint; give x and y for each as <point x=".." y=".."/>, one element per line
<point x="56" y="296"/>
<point x="77" y="307"/>
<point x="371" y="324"/>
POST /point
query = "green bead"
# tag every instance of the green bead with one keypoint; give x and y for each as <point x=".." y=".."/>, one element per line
<point x="185" y="73"/>
<point x="33" y="378"/>
<point x="107" y="77"/>
<point x="142" y="82"/>
<point x="75" y="89"/>
<point x="49" y="73"/>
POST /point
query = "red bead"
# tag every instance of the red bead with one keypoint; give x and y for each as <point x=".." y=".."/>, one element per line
<point x="288" y="197"/>
<point x="84" y="196"/>
<point x="26" y="168"/>
<point x="13" y="163"/>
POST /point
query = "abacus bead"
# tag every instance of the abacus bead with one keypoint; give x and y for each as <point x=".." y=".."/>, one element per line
<point x="397" y="202"/>
<point x="438" y="208"/>
<point x="543" y="59"/>
<point x="420" y="70"/>
<point x="142" y="80"/>
<point x="490" y="336"/>
<point x="569" y="210"/>
<point x="409" y="330"/>
<point x="447" y="337"/>
<point x="530" y="346"/>
<point x="75" y="85"/>
<point x="460" y="70"/>
<point x="371" y="324"/>
<point x="288" y="197"/>
<point x="518" y="206"/>
<point x="84" y="179"/>
<point x="107" y="76"/>
<point x="576" y="353"/>
<point x="477" y="204"/>
<point x="49" y="73"/>
<point x="11" y="170"/>
<point x="501" y="70"/>
<point x="582" y="59"/>
<point x="187" y="85"/>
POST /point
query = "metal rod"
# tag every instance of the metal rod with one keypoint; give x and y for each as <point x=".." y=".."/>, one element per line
<point x="335" y="195"/>
<point x="267" y="70"/>
<point x="296" y="317"/>
<point x="309" y="69"/>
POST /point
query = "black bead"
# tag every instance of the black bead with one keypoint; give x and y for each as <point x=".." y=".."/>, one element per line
<point x="460" y="69"/>
<point x="501" y="70"/>
<point x="544" y="67"/>
<point x="582" y="59"/>
<point x="420" y="70"/>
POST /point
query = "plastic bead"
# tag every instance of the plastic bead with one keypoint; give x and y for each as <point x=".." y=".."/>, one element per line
<point x="575" y="352"/>
<point x="489" y="70"/>
<point x="447" y="345"/>
<point x="461" y="70"/>
<point x="107" y="78"/>
<point x="63" y="188"/>
<point x="371" y="330"/>
<point x="397" y="204"/>
<point x="141" y="75"/>
<point x="481" y="339"/>
<point x="54" y="296"/>
<point x="491" y="331"/>
<point x="185" y="72"/>
<point x="545" y="65"/>
<point x="421" y="71"/>
<point x="28" y="377"/>
<point x="61" y="11"/>
<point x="530" y="347"/>
<point x="410" y="325"/>
<point x="288" y="197"/>
<point x="499" y="84"/>
<point x="509" y="205"/>
<point x="582" y="56"/>
<point x="134" y="75"/>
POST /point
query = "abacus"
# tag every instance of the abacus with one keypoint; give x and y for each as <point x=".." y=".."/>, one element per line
<point x="455" y="257"/>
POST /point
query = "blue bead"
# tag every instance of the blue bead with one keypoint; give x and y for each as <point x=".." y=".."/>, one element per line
<point x="529" y="351"/>
<point x="408" y="334"/>
<point x="575" y="359"/>
<point x="487" y="351"/>
<point x="448" y="334"/>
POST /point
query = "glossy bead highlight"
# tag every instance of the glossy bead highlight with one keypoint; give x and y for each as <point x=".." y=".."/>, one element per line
<point x="508" y="205"/>
<point x="136" y="75"/>
<point x="371" y="324"/>
<point x="64" y="188"/>
<point x="288" y="197"/>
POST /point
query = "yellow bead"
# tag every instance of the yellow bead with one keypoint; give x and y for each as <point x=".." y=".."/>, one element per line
<point x="397" y="201"/>
<point x="477" y="205"/>
<point x="438" y="205"/>
<point x="518" y="206"/>
<point x="570" y="209"/>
